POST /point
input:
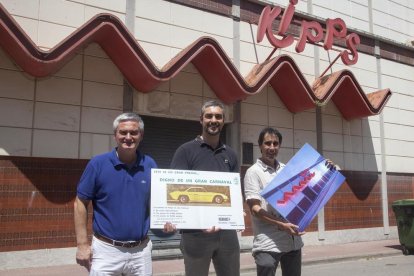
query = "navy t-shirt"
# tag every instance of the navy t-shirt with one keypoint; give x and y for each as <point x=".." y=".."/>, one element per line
<point x="198" y="155"/>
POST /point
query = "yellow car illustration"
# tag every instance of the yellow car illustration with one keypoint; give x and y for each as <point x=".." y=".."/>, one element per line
<point x="198" y="194"/>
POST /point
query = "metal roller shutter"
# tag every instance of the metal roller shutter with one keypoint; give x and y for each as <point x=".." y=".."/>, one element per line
<point x="163" y="136"/>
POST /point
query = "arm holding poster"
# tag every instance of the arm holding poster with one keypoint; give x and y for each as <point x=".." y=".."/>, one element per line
<point x="303" y="187"/>
<point x="257" y="211"/>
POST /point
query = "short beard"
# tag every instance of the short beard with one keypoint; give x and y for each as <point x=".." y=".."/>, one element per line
<point x="206" y="129"/>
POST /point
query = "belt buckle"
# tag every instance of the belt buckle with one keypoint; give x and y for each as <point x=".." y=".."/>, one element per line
<point x="131" y="244"/>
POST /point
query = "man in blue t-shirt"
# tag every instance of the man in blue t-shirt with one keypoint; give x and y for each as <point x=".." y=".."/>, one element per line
<point x="118" y="185"/>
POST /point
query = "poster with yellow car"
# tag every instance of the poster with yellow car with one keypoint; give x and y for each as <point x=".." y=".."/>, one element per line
<point x="196" y="199"/>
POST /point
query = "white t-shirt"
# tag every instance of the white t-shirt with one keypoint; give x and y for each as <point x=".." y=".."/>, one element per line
<point x="267" y="236"/>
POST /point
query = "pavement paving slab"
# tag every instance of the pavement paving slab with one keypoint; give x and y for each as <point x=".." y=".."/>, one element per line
<point x="175" y="267"/>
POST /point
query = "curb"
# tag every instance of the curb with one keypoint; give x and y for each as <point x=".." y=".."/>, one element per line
<point x="350" y="258"/>
<point x="252" y="268"/>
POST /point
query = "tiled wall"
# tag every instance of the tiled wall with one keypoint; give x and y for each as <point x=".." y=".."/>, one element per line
<point x="358" y="202"/>
<point x="67" y="115"/>
<point x="47" y="22"/>
<point x="392" y="19"/>
<point x="353" y="145"/>
<point x="76" y="106"/>
<point x="36" y="202"/>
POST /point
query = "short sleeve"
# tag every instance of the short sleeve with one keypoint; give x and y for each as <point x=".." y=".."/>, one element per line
<point x="153" y="164"/>
<point x="252" y="187"/>
<point x="86" y="186"/>
<point x="179" y="160"/>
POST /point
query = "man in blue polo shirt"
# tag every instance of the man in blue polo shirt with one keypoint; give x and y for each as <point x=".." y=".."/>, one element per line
<point x="118" y="185"/>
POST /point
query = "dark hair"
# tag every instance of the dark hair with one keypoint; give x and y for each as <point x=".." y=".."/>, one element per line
<point x="269" y="130"/>
<point x="211" y="103"/>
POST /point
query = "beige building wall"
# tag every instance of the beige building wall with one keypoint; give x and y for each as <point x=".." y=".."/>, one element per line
<point x="356" y="144"/>
<point x="69" y="114"/>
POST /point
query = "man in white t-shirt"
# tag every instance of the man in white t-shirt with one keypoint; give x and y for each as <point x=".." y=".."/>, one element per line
<point x="275" y="240"/>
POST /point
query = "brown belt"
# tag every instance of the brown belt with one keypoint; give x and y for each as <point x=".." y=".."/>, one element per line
<point x="127" y="244"/>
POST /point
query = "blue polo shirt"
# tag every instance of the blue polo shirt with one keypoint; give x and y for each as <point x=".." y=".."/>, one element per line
<point x="120" y="195"/>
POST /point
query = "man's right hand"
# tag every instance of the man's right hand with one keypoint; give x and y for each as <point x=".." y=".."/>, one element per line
<point x="84" y="256"/>
<point x="169" y="228"/>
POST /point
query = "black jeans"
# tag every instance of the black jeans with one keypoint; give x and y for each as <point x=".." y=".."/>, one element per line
<point x="200" y="248"/>
<point x="267" y="263"/>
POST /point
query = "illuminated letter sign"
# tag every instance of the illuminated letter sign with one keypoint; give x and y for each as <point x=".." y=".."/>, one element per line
<point x="311" y="31"/>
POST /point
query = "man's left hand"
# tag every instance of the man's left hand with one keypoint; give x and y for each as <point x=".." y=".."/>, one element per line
<point x="291" y="228"/>
<point x="213" y="229"/>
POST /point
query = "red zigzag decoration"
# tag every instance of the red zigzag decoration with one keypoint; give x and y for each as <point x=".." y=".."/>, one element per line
<point x="205" y="54"/>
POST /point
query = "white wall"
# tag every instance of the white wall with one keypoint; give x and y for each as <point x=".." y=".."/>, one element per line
<point x="70" y="114"/>
<point x="392" y="19"/>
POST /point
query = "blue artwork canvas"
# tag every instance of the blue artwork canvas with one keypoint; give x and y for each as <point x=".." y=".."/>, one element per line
<point x="303" y="187"/>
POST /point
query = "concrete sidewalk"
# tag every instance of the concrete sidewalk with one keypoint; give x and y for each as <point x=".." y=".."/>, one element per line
<point x="311" y="254"/>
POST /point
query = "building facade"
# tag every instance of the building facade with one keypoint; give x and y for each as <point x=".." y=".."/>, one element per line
<point x="69" y="67"/>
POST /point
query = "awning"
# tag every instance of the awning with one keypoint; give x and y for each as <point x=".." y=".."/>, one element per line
<point x="205" y="54"/>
